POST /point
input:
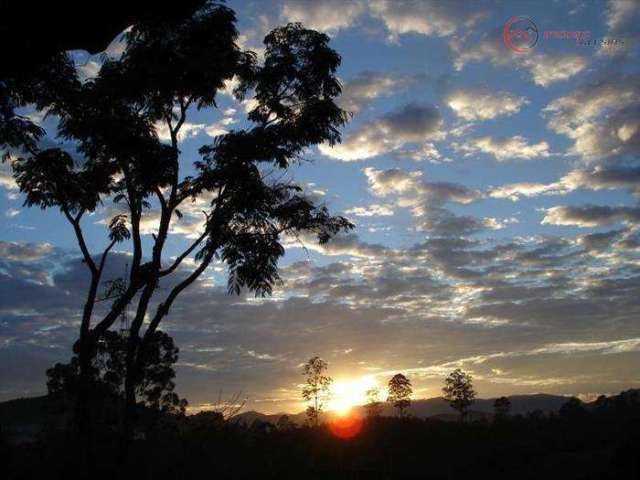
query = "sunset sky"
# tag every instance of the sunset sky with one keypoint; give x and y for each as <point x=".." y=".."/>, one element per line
<point x="496" y="197"/>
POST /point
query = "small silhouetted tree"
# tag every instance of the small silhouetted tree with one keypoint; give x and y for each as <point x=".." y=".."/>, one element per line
<point x="316" y="388"/>
<point x="284" y="423"/>
<point x="501" y="407"/>
<point x="573" y="409"/>
<point x="168" y="71"/>
<point x="399" y="394"/>
<point x="374" y="405"/>
<point x="458" y="391"/>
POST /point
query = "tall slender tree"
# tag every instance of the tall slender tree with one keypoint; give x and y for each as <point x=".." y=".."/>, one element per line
<point x="400" y="391"/>
<point x="167" y="71"/>
<point x="458" y="391"/>
<point x="373" y="406"/>
<point x="316" y="388"/>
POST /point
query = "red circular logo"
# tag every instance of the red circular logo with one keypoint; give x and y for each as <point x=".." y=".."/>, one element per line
<point x="520" y="34"/>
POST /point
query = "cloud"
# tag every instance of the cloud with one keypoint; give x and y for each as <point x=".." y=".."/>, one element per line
<point x="427" y="200"/>
<point x="24" y="252"/>
<point x="549" y="69"/>
<point x="413" y="190"/>
<point x="487" y="304"/>
<point x="360" y="91"/>
<point x="344" y="244"/>
<point x="504" y="148"/>
<point x="326" y="16"/>
<point x="443" y="223"/>
<point x="373" y="210"/>
<point x="607" y="177"/>
<point x="515" y="191"/>
<point x="6" y="179"/>
<point x="600" y="241"/>
<point x="544" y="69"/>
<point x="426" y="17"/>
<point x="602" y="177"/>
<point x="622" y="23"/>
<point x="602" y="118"/>
<point x="591" y="215"/>
<point x="620" y="12"/>
<point x="411" y="124"/>
<point x="475" y="104"/>
<point x="190" y="130"/>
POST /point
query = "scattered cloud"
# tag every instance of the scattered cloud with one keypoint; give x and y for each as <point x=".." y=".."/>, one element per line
<point x="426" y="17"/>
<point x="544" y="69"/>
<point x="411" y="124"/>
<point x="602" y="118"/>
<point x="360" y="91"/>
<point x="476" y="104"/>
<point x="24" y="252"/>
<point x="326" y="16"/>
<point x="591" y="215"/>
<point x="504" y="148"/>
<point x="373" y="210"/>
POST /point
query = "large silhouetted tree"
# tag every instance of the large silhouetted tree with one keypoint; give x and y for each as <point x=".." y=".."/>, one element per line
<point x="316" y="387"/>
<point x="458" y="391"/>
<point x="155" y="387"/>
<point x="400" y="391"/>
<point x="168" y="70"/>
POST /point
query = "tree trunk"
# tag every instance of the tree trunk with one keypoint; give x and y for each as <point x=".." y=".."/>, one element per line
<point x="129" y="407"/>
<point x="83" y="421"/>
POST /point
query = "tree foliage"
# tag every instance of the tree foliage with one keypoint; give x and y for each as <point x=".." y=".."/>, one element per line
<point x="501" y="407"/>
<point x="458" y="391"/>
<point x="400" y="391"/>
<point x="169" y="70"/>
<point x="373" y="406"/>
<point x="155" y="386"/>
<point x="317" y="387"/>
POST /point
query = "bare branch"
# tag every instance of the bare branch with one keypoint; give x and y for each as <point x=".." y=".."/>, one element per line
<point x="183" y="255"/>
<point x="75" y="222"/>
<point x="163" y="308"/>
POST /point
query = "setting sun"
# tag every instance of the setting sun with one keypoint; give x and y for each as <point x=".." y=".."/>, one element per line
<point x="346" y="394"/>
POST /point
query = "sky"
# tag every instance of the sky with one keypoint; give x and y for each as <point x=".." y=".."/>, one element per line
<point x="495" y="195"/>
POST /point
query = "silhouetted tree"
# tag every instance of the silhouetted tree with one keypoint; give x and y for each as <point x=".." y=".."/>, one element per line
<point x="316" y="388"/>
<point x="284" y="423"/>
<point x="458" y="391"/>
<point x="399" y="394"/>
<point x="155" y="386"/>
<point x="501" y="407"/>
<point x="573" y="409"/>
<point x="374" y="405"/>
<point x="39" y="86"/>
<point x="168" y="70"/>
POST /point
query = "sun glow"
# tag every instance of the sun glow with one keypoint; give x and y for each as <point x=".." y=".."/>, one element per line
<point x="346" y="394"/>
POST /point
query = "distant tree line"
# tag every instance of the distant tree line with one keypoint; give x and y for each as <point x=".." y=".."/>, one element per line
<point x="598" y="440"/>
<point x="458" y="391"/>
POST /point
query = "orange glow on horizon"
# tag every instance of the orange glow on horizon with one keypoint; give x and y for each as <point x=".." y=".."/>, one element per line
<point x="346" y="427"/>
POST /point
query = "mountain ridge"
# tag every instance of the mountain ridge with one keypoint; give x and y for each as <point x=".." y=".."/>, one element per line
<point x="435" y="407"/>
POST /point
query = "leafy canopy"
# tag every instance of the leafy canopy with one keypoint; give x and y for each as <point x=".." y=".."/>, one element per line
<point x="458" y="390"/>
<point x="167" y="70"/>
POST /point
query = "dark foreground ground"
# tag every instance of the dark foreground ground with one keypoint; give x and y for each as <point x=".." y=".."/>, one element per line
<point x="601" y="441"/>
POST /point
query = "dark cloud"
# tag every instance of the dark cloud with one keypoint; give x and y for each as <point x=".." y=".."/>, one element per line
<point x="592" y="215"/>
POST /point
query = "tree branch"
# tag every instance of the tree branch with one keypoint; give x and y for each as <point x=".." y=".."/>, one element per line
<point x="163" y="308"/>
<point x="75" y="222"/>
<point x="183" y="255"/>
